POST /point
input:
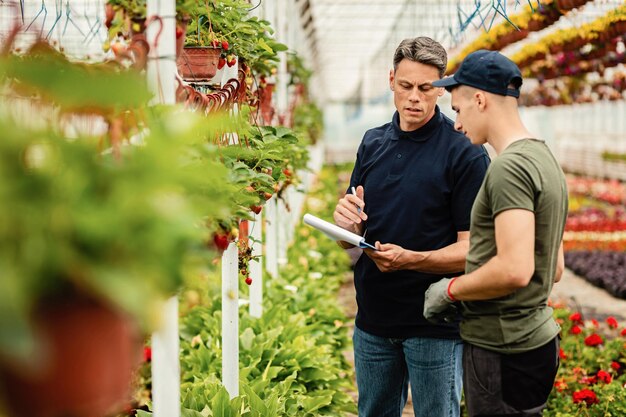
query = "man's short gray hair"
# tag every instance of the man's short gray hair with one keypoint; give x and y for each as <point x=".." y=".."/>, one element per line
<point x="423" y="50"/>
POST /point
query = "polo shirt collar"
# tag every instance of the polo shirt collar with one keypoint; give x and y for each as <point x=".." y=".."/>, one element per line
<point x="422" y="134"/>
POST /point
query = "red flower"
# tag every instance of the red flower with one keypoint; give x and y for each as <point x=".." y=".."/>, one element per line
<point x="576" y="317"/>
<point x="595" y="323"/>
<point x="615" y="365"/>
<point x="594" y="340"/>
<point x="560" y="385"/>
<point x="147" y="354"/>
<point x="604" y="376"/>
<point x="585" y="395"/>
<point x="576" y="329"/>
<point x="562" y="354"/>
<point x="623" y="332"/>
<point x="612" y="322"/>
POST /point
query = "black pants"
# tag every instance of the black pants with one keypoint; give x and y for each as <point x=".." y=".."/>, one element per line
<point x="512" y="385"/>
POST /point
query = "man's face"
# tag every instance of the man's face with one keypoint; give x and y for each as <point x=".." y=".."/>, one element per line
<point x="413" y="95"/>
<point x="468" y="118"/>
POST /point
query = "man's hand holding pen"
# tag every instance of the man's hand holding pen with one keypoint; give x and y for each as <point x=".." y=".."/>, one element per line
<point x="350" y="211"/>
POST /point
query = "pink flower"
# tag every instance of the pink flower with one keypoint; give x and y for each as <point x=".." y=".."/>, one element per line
<point x="615" y="365"/>
<point x="576" y="317"/>
<point x="604" y="376"/>
<point x="612" y="322"/>
<point x="594" y="340"/>
<point x="588" y="380"/>
<point x="576" y="329"/>
<point x="585" y="395"/>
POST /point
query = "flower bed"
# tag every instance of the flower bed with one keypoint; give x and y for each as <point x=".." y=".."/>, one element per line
<point x="595" y="233"/>
<point x="591" y="376"/>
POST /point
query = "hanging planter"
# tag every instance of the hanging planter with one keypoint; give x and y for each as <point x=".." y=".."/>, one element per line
<point x="88" y="352"/>
<point x="198" y="62"/>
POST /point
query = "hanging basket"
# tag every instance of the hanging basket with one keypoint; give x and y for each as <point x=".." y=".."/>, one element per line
<point x="198" y="63"/>
<point x="88" y="354"/>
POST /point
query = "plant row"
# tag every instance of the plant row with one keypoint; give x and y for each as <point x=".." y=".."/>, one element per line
<point x="292" y="358"/>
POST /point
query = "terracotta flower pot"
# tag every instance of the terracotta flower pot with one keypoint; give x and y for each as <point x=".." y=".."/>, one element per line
<point x="198" y="63"/>
<point x="88" y="354"/>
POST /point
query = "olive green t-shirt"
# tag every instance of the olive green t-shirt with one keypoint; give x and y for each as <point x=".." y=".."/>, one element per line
<point x="524" y="176"/>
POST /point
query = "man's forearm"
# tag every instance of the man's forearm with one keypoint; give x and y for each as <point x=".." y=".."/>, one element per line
<point x="494" y="279"/>
<point x="441" y="261"/>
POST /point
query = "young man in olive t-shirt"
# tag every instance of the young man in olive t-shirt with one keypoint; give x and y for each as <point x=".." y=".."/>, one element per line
<point x="516" y="254"/>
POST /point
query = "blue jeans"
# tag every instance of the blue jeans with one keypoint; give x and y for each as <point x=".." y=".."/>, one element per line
<point x="385" y="366"/>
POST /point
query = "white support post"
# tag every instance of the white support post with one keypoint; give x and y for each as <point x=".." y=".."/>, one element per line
<point x="282" y="223"/>
<point x="256" y="267"/>
<point x="282" y="77"/>
<point x="230" y="320"/>
<point x="271" y="237"/>
<point x="166" y="364"/>
<point x="161" y="79"/>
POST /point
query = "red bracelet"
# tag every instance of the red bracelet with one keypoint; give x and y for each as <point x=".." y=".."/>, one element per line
<point x="448" y="289"/>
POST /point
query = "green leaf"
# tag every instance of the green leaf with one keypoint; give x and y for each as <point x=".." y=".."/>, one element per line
<point x="247" y="338"/>
<point x="265" y="46"/>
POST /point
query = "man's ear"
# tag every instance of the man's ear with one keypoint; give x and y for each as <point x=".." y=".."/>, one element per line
<point x="480" y="99"/>
<point x="441" y="91"/>
<point x="391" y="74"/>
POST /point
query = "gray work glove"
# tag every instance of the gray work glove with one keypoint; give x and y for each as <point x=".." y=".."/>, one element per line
<point x="438" y="306"/>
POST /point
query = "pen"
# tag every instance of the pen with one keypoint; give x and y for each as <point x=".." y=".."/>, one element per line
<point x="358" y="209"/>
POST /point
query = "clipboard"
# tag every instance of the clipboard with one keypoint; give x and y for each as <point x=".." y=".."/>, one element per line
<point x="335" y="232"/>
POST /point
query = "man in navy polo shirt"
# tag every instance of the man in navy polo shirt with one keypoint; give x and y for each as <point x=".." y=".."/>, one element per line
<point x="415" y="180"/>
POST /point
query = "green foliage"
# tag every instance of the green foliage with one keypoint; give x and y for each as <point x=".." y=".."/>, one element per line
<point x="308" y="122"/>
<point x="291" y="359"/>
<point x="82" y="88"/>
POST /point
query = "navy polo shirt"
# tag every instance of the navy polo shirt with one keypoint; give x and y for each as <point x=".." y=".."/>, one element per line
<point x="419" y="190"/>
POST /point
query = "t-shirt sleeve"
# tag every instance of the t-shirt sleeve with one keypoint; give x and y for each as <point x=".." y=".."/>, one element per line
<point x="510" y="185"/>
<point x="468" y="179"/>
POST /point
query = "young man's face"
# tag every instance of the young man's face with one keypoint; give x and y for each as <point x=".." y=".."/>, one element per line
<point x="468" y="118"/>
<point x="413" y="95"/>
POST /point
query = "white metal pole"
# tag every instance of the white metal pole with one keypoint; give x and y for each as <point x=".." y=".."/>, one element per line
<point x="282" y="224"/>
<point x="166" y="364"/>
<point x="230" y="321"/>
<point x="256" y="267"/>
<point x="165" y="343"/>
<point x="271" y="237"/>
<point x="281" y="36"/>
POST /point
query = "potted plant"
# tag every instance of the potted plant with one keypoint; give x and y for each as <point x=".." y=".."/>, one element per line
<point x="92" y="243"/>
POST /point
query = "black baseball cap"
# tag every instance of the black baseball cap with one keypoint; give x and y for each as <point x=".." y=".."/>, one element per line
<point x="488" y="71"/>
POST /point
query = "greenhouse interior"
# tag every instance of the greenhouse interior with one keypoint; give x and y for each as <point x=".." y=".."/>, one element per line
<point x="195" y="194"/>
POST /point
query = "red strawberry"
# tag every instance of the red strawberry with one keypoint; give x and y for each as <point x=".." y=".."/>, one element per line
<point x="249" y="281"/>
<point x="225" y="45"/>
<point x="221" y="63"/>
<point x="215" y="43"/>
<point x="179" y="32"/>
<point x="232" y="61"/>
<point x="287" y="172"/>
<point x="256" y="209"/>
<point x="221" y="241"/>
<point x="147" y="353"/>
